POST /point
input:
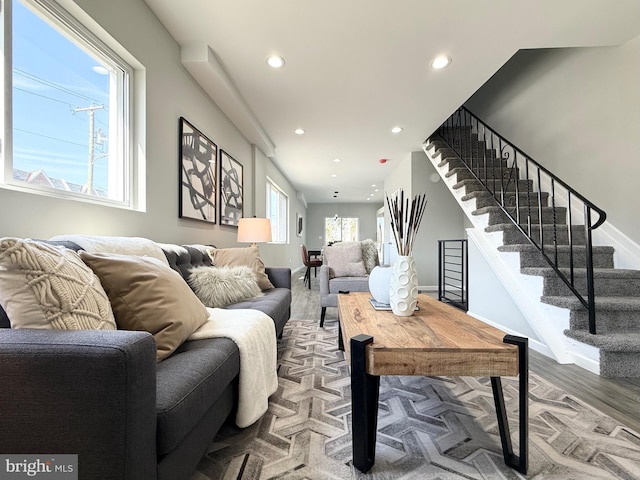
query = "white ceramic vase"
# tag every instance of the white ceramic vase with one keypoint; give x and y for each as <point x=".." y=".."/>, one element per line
<point x="403" y="289"/>
<point x="379" y="282"/>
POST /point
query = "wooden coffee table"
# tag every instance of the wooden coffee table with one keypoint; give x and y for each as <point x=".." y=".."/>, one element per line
<point x="437" y="340"/>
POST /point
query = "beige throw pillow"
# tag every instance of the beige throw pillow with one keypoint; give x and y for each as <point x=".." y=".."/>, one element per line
<point x="345" y="260"/>
<point x="46" y="286"/>
<point x="248" y="256"/>
<point x="218" y="287"/>
<point x="149" y="296"/>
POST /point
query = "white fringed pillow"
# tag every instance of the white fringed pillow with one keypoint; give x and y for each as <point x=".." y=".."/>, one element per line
<point x="221" y="286"/>
<point x="46" y="286"/>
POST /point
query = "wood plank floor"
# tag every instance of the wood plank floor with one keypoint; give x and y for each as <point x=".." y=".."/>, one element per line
<point x="618" y="398"/>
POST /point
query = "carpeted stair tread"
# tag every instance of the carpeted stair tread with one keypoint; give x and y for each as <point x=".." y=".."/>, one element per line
<point x="513" y="236"/>
<point x="599" y="273"/>
<point x="611" y="342"/>
<point x="603" y="303"/>
<point x="476" y="185"/>
<point x="528" y="248"/>
<point x="499" y="216"/>
<point x="533" y="196"/>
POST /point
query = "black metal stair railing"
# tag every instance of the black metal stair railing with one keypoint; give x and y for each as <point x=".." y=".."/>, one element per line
<point x="517" y="182"/>
<point x="453" y="280"/>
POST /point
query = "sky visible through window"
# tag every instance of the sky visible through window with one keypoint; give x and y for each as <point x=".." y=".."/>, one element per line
<point x="52" y="79"/>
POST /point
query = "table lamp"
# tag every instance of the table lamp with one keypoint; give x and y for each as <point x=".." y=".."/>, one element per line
<point x="254" y="230"/>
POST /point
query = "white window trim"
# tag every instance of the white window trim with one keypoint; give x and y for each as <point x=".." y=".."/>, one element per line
<point x="276" y="187"/>
<point x="76" y="22"/>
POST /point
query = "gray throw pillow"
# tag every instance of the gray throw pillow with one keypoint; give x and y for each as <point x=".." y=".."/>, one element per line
<point x="222" y="286"/>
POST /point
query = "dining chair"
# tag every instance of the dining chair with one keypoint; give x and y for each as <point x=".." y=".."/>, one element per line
<point x="310" y="263"/>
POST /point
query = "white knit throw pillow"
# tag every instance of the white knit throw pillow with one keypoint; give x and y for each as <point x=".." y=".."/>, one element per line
<point x="222" y="286"/>
<point x="45" y="286"/>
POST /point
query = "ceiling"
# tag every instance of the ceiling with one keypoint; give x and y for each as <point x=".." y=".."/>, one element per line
<point x="356" y="68"/>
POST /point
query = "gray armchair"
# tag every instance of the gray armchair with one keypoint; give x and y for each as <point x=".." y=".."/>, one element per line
<point x="330" y="288"/>
<point x="331" y="285"/>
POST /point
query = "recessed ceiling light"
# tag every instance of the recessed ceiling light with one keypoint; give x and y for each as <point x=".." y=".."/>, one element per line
<point x="337" y="160"/>
<point x="333" y="175"/>
<point x="376" y="190"/>
<point x="440" y="62"/>
<point x="373" y="185"/>
<point x="275" y="61"/>
<point x="299" y="131"/>
<point x="396" y="129"/>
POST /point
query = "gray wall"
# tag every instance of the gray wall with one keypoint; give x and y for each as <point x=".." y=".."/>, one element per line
<point x="443" y="218"/>
<point x="169" y="92"/>
<point x="575" y="111"/>
<point x="317" y="212"/>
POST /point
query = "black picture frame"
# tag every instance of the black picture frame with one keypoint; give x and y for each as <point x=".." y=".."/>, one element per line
<point x="231" y="190"/>
<point x="197" y="162"/>
<point x="299" y="225"/>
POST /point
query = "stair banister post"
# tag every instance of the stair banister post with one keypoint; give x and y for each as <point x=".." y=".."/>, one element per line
<point x="589" y="260"/>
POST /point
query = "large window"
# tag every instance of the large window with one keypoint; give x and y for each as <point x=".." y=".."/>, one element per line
<point x="66" y="130"/>
<point x="339" y="229"/>
<point x="277" y="212"/>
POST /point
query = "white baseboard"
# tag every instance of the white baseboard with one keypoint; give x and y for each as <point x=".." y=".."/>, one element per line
<point x="533" y="344"/>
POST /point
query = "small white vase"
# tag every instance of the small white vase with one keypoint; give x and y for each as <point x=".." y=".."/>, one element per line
<point x="403" y="289"/>
<point x="379" y="281"/>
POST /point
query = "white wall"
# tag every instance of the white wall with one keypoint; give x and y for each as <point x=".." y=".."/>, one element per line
<point x="169" y="92"/>
<point x="576" y="112"/>
<point x="490" y="301"/>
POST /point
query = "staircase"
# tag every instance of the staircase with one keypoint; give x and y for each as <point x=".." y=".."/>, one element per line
<point x="507" y="202"/>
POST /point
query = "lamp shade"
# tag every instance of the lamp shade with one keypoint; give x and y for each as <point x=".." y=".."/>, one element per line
<point x="254" y="230"/>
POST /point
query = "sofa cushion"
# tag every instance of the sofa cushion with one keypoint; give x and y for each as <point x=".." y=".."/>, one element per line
<point x="218" y="287"/>
<point x="275" y="303"/>
<point x="47" y="286"/>
<point x="345" y="260"/>
<point x="249" y="256"/>
<point x="188" y="383"/>
<point x="349" y="284"/>
<point x="148" y="295"/>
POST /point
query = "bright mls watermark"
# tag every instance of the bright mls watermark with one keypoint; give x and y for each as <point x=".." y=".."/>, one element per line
<point x="45" y="466"/>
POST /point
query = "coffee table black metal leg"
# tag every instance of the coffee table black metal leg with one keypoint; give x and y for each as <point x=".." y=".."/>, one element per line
<point x="365" y="390"/>
<point x="520" y="463"/>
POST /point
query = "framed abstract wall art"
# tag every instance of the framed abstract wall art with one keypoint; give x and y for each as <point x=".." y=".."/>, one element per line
<point x="198" y="156"/>
<point x="299" y="226"/>
<point x="231" y="190"/>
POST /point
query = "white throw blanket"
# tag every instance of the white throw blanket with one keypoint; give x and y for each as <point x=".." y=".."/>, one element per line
<point x="254" y="333"/>
<point x="111" y="244"/>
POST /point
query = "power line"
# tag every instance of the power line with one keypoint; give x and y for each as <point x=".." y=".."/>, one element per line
<point x="51" y="138"/>
<point x="51" y="84"/>
<point x="43" y="96"/>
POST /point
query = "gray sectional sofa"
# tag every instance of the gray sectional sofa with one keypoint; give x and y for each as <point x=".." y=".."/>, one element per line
<point x="101" y="394"/>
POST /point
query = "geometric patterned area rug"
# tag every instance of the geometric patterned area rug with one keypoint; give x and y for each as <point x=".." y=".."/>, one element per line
<point x="428" y="427"/>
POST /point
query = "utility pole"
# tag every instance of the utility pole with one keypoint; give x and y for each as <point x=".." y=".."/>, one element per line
<point x="88" y="187"/>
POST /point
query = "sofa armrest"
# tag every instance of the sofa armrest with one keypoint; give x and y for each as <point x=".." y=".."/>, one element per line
<point x="90" y="393"/>
<point x="280" y="277"/>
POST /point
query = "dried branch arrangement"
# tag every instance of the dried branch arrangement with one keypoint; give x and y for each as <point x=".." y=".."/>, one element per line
<point x="405" y="219"/>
